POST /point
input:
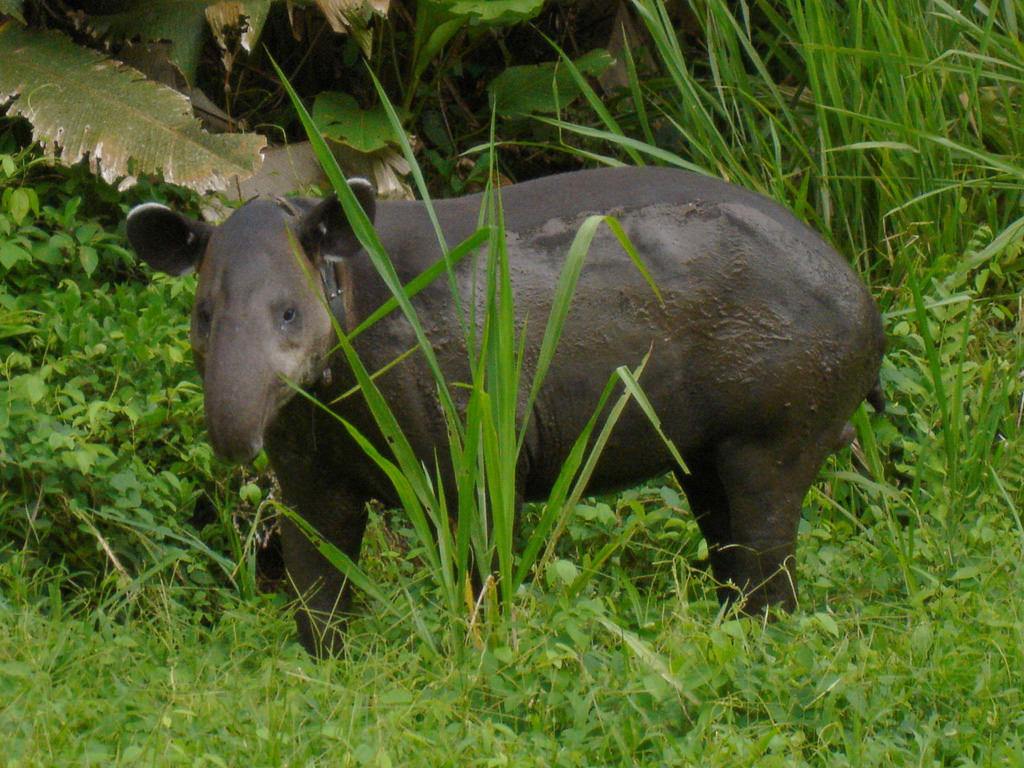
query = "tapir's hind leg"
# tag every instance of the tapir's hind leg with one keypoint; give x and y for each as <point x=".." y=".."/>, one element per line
<point x="747" y="496"/>
<point x="766" y="482"/>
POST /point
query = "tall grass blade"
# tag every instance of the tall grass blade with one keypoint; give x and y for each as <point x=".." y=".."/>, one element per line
<point x="595" y="101"/>
<point x="580" y="477"/>
<point x="633" y="387"/>
<point x="563" y="495"/>
<point x="367" y="236"/>
<point x="425" y="278"/>
<point x="337" y="558"/>
<point x="564" y="291"/>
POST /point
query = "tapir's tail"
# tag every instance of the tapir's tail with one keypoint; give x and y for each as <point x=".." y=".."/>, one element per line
<point x="848" y="433"/>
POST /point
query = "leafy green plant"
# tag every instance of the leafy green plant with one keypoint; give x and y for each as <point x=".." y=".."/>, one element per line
<point x="102" y="457"/>
<point x="129" y="112"/>
<point x="542" y="88"/>
<point x="82" y="104"/>
<point x="439" y="21"/>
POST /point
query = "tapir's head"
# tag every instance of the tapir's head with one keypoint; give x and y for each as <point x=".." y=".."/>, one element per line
<point x="260" y="319"/>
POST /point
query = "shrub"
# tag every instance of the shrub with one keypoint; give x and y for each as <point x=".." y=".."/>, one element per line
<point x="102" y="457"/>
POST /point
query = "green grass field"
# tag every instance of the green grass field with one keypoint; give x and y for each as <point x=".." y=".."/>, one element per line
<point x="129" y="636"/>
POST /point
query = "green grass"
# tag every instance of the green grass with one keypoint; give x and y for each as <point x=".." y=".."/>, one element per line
<point x="862" y="675"/>
<point x="891" y="127"/>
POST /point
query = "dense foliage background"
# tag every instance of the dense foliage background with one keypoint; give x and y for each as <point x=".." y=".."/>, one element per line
<point x="133" y="627"/>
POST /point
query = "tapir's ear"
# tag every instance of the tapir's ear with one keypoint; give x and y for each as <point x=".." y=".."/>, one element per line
<point x="166" y="240"/>
<point x="325" y="231"/>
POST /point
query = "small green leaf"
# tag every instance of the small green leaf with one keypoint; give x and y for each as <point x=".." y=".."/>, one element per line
<point x="30" y="385"/>
<point x="967" y="572"/>
<point x="364" y="754"/>
<point x="545" y="88"/>
<point x="670" y="497"/>
<point x="82" y="460"/>
<point x="89" y="259"/>
<point x="333" y="732"/>
<point x="52" y="251"/>
<point x="827" y="623"/>
<point x="437" y="39"/>
<point x="497" y="12"/>
<point x="921" y="638"/>
<point x="340" y="119"/>
<point x="734" y="628"/>
<point x="504" y="654"/>
<point x="19" y="205"/>
<point x="251" y="494"/>
<point x="11" y="254"/>
<point x="86" y="232"/>
<point x="562" y="572"/>
<point x="395" y="696"/>
<point x="122" y="482"/>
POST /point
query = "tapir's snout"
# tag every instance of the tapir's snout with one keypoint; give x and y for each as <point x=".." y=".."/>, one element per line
<point x="238" y="402"/>
<point x="237" y="454"/>
<point x="236" y="433"/>
<point x="231" y="446"/>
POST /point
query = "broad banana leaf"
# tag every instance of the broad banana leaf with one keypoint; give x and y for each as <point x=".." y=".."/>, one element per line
<point x="83" y="105"/>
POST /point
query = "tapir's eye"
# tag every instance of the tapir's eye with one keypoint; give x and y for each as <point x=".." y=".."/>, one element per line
<point x="286" y="317"/>
<point x="289" y="318"/>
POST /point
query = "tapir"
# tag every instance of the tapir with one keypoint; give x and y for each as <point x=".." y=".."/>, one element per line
<point x="760" y="343"/>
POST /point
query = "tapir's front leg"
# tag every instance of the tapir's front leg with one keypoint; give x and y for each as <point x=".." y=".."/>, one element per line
<point x="320" y="590"/>
<point x="321" y="593"/>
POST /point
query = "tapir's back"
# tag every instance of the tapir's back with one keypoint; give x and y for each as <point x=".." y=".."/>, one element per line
<point x="688" y="229"/>
<point x="757" y="323"/>
<point x="693" y="233"/>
